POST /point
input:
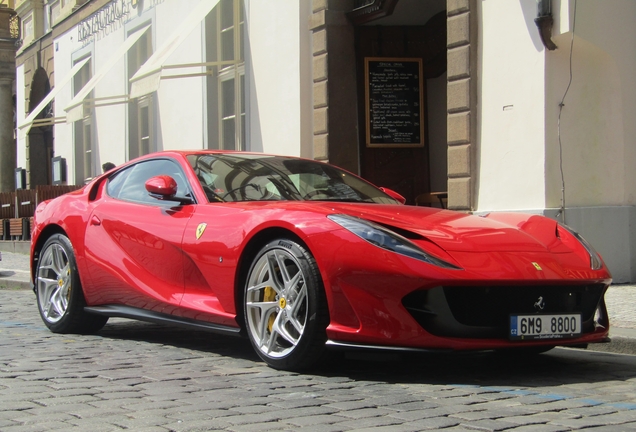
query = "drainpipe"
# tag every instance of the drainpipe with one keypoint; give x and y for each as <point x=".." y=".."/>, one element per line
<point x="544" y="23"/>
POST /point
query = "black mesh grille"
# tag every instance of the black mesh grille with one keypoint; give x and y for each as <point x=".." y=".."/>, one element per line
<point x="484" y="311"/>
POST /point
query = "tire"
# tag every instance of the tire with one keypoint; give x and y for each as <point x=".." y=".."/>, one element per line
<point x="284" y="306"/>
<point x="59" y="291"/>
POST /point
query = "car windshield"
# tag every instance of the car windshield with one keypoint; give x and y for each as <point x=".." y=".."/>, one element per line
<point x="249" y="177"/>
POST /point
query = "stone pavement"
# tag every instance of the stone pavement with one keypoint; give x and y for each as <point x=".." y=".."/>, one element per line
<point x="620" y="299"/>
<point x="14" y="271"/>
<point x="149" y="378"/>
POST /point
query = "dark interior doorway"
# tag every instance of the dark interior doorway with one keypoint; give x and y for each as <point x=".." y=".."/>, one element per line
<point x="40" y="144"/>
<point x="405" y="170"/>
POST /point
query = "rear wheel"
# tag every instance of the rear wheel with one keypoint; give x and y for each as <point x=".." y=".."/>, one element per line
<point x="59" y="291"/>
<point x="285" y="307"/>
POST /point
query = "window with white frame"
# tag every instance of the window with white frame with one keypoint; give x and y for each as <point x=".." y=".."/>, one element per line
<point x="224" y="30"/>
<point x="27" y="28"/>
<point x="140" y="110"/>
<point x="83" y="130"/>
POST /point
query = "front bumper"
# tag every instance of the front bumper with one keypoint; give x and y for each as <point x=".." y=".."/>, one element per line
<point x="383" y="299"/>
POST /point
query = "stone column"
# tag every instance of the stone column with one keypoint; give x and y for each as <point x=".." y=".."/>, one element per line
<point x="462" y="103"/>
<point x="8" y="49"/>
<point x="335" y="90"/>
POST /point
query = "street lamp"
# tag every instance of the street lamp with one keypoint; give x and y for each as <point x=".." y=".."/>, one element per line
<point x="544" y="23"/>
<point x="59" y="170"/>
<point x="20" y="178"/>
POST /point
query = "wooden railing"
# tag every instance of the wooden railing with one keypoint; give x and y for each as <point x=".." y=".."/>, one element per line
<point x="17" y="209"/>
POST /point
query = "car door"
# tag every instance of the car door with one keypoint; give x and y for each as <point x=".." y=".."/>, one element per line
<point x="133" y="240"/>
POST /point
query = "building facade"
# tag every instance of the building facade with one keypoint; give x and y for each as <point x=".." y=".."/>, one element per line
<point x="512" y="105"/>
<point x="195" y="55"/>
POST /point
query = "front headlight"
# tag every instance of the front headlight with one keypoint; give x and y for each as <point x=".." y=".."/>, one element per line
<point x="595" y="259"/>
<point x="386" y="239"/>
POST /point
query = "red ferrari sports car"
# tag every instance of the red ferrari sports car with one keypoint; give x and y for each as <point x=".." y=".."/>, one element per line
<point x="300" y="255"/>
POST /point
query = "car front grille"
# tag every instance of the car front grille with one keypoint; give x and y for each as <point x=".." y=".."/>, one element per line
<point x="484" y="311"/>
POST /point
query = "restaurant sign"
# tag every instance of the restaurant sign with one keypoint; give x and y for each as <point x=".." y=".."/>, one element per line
<point x="394" y="102"/>
<point x="103" y="20"/>
<point x="111" y="17"/>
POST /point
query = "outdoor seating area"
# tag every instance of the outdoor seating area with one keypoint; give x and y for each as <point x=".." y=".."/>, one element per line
<point x="17" y="209"/>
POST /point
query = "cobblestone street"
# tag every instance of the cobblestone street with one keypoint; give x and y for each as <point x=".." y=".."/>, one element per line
<point x="145" y="377"/>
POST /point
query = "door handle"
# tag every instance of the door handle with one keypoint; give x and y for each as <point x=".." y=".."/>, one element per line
<point x="96" y="221"/>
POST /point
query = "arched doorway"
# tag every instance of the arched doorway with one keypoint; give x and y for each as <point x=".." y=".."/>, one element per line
<point x="40" y="141"/>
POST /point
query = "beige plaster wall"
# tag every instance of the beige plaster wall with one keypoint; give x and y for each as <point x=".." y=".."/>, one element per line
<point x="511" y="108"/>
<point x="598" y="131"/>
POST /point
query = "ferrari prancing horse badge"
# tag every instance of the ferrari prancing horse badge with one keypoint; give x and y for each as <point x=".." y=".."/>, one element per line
<point x="200" y="230"/>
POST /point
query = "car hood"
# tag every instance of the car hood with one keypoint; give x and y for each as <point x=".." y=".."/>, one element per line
<point x="456" y="231"/>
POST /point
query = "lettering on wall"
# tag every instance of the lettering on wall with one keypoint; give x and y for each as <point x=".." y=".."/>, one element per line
<point x="111" y="17"/>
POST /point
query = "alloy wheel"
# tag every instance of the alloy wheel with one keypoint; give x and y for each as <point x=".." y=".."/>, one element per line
<point x="276" y="303"/>
<point x="54" y="283"/>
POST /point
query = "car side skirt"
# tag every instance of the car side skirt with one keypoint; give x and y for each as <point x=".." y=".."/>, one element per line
<point x="336" y="345"/>
<point x="121" y="311"/>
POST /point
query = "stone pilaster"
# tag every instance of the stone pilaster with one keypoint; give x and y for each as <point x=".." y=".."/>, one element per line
<point x="321" y="95"/>
<point x="461" y="103"/>
<point x="334" y="81"/>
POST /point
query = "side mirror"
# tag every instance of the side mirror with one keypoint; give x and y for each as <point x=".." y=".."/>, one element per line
<point x="393" y="194"/>
<point x="164" y="188"/>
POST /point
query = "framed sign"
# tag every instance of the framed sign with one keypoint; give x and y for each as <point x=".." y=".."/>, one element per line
<point x="394" y="102"/>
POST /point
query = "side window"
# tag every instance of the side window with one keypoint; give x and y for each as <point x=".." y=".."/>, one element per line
<point x="115" y="182"/>
<point x="130" y="184"/>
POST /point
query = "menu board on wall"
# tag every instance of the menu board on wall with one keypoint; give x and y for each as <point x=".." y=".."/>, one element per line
<point x="394" y="98"/>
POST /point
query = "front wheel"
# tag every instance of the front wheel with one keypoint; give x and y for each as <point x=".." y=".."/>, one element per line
<point x="59" y="291"/>
<point x="285" y="307"/>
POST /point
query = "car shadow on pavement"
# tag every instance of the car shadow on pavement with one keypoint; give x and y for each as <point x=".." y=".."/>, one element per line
<point x="557" y="367"/>
<point x="178" y="337"/>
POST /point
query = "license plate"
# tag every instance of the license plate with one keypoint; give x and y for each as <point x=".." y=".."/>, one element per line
<point x="531" y="327"/>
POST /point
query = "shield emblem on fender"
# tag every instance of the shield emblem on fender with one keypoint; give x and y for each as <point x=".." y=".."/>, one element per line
<point x="200" y="230"/>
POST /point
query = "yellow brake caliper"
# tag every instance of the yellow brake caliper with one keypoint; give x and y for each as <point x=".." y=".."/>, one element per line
<point x="68" y="292"/>
<point x="269" y="295"/>
<point x="60" y="284"/>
